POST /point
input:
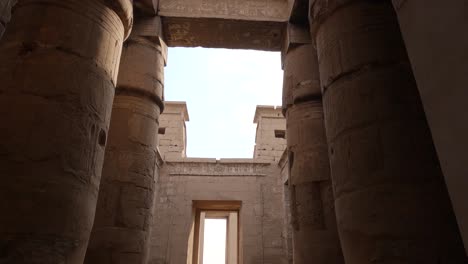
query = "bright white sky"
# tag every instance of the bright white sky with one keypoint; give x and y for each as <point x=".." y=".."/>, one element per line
<point x="222" y="88"/>
<point x="214" y="241"/>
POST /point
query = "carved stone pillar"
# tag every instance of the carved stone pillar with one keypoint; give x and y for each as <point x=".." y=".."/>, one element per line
<point x="315" y="236"/>
<point x="123" y="216"/>
<point x="5" y="13"/>
<point x="391" y="202"/>
<point x="439" y="60"/>
<point x="59" y="61"/>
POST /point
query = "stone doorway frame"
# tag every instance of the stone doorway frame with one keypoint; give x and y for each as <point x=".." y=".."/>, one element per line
<point x="229" y="210"/>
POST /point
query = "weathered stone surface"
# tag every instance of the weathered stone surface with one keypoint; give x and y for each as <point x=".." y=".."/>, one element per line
<point x="212" y="169"/>
<point x="299" y="85"/>
<point x="269" y="144"/>
<point x="125" y="206"/>
<point x="255" y="183"/>
<point x="172" y="141"/>
<point x="5" y="14"/>
<point x="314" y="232"/>
<point x="437" y="51"/>
<point x="243" y="24"/>
<point x="59" y="66"/>
<point x="222" y="33"/>
<point x="260" y="194"/>
<point x="307" y="143"/>
<point x="287" y="225"/>
<point x="391" y="202"/>
<point x="315" y="236"/>
<point x="57" y="73"/>
<point x="250" y="10"/>
<point x="294" y="35"/>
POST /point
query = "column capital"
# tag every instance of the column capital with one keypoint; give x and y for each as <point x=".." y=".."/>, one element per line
<point x="295" y="35"/>
<point x="301" y="82"/>
<point x="144" y="57"/>
<point x="148" y="29"/>
<point x="124" y="9"/>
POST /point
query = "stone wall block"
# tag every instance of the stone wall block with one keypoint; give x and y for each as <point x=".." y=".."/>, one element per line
<point x="250" y="181"/>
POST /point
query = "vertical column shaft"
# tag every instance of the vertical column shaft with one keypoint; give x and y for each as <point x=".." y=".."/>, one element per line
<point x="439" y="60"/>
<point x="391" y="201"/>
<point x="59" y="61"/>
<point x="315" y="236"/>
<point x="124" y="212"/>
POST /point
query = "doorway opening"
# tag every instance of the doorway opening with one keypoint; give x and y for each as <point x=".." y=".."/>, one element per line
<point x="216" y="232"/>
<point x="214" y="240"/>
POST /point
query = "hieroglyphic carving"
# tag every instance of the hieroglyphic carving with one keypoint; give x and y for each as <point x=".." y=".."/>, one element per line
<point x="264" y="10"/>
<point x="222" y="33"/>
<point x="217" y="169"/>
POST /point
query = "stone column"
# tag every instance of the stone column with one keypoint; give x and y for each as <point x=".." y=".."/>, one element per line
<point x="315" y="236"/>
<point x="59" y="61"/>
<point x="5" y="13"/>
<point x="437" y="51"/>
<point x="391" y="202"/>
<point x="122" y="225"/>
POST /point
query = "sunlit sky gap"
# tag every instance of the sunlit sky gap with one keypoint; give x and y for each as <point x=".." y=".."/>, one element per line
<point x="214" y="244"/>
<point x="222" y="88"/>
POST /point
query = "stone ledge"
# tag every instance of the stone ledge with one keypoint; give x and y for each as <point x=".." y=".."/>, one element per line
<point x="210" y="175"/>
<point x="215" y="168"/>
<point x="223" y="33"/>
<point x="242" y="161"/>
<point x="190" y="160"/>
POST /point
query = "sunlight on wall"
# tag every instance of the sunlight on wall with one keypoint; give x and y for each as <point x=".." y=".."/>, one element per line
<point x="214" y="245"/>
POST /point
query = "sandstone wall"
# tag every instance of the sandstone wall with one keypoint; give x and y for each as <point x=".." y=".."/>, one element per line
<point x="172" y="138"/>
<point x="287" y="226"/>
<point x="269" y="143"/>
<point x="257" y="184"/>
